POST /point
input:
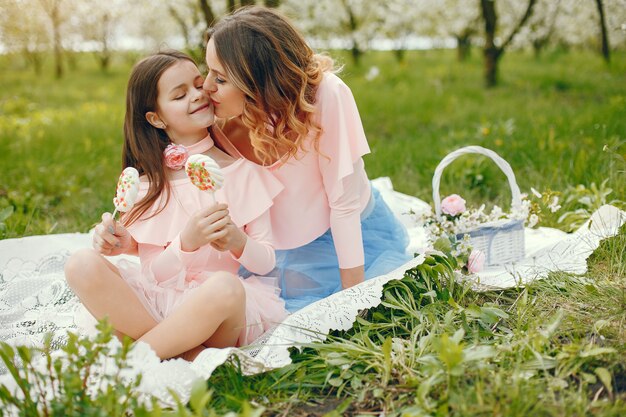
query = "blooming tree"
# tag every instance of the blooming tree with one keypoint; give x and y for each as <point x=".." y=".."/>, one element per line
<point x="574" y="23"/>
<point x="149" y="25"/>
<point x="98" y="24"/>
<point x="57" y="12"/>
<point x="24" y="33"/>
<point x="541" y="26"/>
<point x="403" y="20"/>
<point x="33" y="27"/>
<point x="459" y="19"/>
<point x="492" y="49"/>
<point x="350" y="24"/>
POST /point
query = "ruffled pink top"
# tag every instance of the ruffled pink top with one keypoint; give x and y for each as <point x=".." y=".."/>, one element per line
<point x="325" y="189"/>
<point x="167" y="275"/>
<point x="249" y="193"/>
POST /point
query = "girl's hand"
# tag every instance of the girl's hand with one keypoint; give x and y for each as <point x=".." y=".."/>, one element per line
<point x="234" y="240"/>
<point x="205" y="226"/>
<point x="110" y="238"/>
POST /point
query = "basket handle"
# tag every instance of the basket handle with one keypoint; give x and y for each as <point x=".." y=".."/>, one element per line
<point x="516" y="199"/>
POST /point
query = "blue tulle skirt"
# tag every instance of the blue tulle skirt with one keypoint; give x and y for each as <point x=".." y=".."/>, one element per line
<point x="311" y="272"/>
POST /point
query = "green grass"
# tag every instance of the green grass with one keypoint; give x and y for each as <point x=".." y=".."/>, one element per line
<point x="60" y="147"/>
<point x="549" y="119"/>
<point x="555" y="348"/>
<point x="60" y="141"/>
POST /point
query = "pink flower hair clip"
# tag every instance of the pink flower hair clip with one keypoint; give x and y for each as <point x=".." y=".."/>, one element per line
<point x="175" y="156"/>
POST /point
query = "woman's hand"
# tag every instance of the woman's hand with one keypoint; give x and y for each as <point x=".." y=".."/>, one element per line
<point x="110" y="238"/>
<point x="205" y="226"/>
<point x="352" y="276"/>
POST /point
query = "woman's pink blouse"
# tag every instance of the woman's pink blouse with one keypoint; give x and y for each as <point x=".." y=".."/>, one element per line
<point x="325" y="189"/>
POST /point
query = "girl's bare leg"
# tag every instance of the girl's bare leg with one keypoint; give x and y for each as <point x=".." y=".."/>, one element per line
<point x="102" y="290"/>
<point x="191" y="354"/>
<point x="214" y="315"/>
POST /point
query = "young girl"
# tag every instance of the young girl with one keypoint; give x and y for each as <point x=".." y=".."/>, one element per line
<point x="185" y="294"/>
<point x="287" y="111"/>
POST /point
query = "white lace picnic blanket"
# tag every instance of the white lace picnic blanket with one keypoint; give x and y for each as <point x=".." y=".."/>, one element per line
<point x="35" y="300"/>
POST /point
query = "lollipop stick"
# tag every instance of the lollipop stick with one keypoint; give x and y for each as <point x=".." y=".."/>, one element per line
<point x="112" y="228"/>
<point x="219" y="253"/>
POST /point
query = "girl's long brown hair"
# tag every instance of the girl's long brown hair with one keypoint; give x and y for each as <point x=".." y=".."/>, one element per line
<point x="269" y="60"/>
<point x="143" y="143"/>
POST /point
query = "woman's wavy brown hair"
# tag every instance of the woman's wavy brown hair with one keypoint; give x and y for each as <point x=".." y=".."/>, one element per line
<point x="143" y="143"/>
<point x="269" y="60"/>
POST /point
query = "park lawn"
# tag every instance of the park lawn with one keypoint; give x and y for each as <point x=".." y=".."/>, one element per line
<point x="60" y="141"/>
<point x="556" y="347"/>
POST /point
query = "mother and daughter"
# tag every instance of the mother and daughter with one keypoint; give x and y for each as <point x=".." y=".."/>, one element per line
<point x="297" y="215"/>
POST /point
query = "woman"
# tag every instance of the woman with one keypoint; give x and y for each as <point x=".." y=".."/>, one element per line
<point x="286" y="110"/>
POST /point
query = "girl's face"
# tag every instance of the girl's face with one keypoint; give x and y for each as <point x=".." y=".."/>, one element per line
<point x="184" y="110"/>
<point x="226" y="97"/>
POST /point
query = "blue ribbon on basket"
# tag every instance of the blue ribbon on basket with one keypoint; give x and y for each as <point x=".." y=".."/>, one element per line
<point x="492" y="230"/>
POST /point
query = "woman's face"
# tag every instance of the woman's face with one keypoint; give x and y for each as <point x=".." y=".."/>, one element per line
<point x="226" y="97"/>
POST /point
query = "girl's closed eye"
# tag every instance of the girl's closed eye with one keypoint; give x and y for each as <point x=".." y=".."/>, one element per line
<point x="219" y="80"/>
<point x="180" y="94"/>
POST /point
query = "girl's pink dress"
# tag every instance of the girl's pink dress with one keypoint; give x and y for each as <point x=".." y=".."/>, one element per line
<point x="167" y="275"/>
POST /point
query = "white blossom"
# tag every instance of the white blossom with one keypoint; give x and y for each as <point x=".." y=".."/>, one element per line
<point x="373" y="72"/>
<point x="554" y="205"/>
<point x="535" y="192"/>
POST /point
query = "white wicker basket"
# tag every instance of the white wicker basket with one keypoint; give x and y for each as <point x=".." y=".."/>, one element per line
<point x="501" y="241"/>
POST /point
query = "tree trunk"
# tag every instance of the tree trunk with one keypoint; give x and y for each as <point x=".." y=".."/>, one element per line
<point x="400" y="54"/>
<point x="353" y="25"/>
<point x="272" y="3"/>
<point x="35" y="58"/>
<point x="492" y="56"/>
<point x="244" y="3"/>
<point x="58" y="48"/>
<point x="463" y="44"/>
<point x="105" y="61"/>
<point x="181" y="24"/>
<point x="356" y="53"/>
<point x="606" y="51"/>
<point x="207" y="12"/>
<point x="538" y="46"/>
<point x="540" y="43"/>
<point x="195" y="51"/>
<point x="230" y="6"/>
<point x="53" y="10"/>
<point x="105" y="53"/>
<point x="58" y="54"/>
<point x="490" y="51"/>
<point x="105" y="56"/>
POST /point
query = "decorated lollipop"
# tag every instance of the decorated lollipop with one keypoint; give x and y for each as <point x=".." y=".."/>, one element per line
<point x="127" y="190"/>
<point x="204" y="173"/>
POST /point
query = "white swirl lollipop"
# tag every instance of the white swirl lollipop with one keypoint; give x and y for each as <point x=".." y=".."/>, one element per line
<point x="127" y="190"/>
<point x="204" y="173"/>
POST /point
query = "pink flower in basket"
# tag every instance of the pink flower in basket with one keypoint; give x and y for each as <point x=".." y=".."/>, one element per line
<point x="175" y="156"/>
<point x="453" y="205"/>
<point x="476" y="261"/>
